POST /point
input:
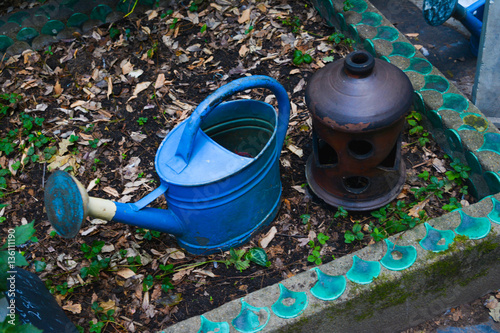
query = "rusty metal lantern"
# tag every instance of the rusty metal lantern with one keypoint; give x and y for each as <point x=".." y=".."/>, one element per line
<point x="358" y="106"/>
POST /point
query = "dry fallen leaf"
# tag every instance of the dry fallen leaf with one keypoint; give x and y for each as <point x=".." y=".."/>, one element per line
<point x="175" y="253"/>
<point x="287" y="204"/>
<point x="111" y="191"/>
<point x="457" y="315"/>
<point x="245" y="16"/>
<point x="439" y="165"/>
<point x="141" y="87"/>
<point x="160" y="81"/>
<point x="126" y="66"/>
<point x="73" y="308"/>
<point x="57" y="88"/>
<point x="296" y="150"/>
<point x="180" y="274"/>
<point x="243" y="50"/>
<point x="300" y="86"/>
<point x="262" y="7"/>
<point x="110" y="87"/>
<point x="204" y="272"/>
<point x="108" y="305"/>
<point x="492" y="303"/>
<point x="63" y="146"/>
<point x="417" y="208"/>
<point x="299" y="188"/>
<point x="264" y="242"/>
<point x="412" y="34"/>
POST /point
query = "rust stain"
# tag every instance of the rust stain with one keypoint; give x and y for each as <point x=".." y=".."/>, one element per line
<point x="348" y="127"/>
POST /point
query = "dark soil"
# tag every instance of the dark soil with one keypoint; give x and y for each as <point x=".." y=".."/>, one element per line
<point x="91" y="61"/>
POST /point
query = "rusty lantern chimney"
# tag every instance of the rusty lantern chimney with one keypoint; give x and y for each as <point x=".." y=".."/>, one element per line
<point x="358" y="106"/>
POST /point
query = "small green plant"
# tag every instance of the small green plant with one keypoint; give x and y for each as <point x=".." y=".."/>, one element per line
<point x="294" y="23"/>
<point x="299" y="58"/>
<point x="241" y="259"/>
<point x="166" y="284"/>
<point x="142" y="120"/>
<point x="336" y="37"/>
<point x="11" y="99"/>
<point x="193" y="7"/>
<point x="63" y="289"/>
<point x="96" y="265"/>
<point x="102" y="319"/>
<point x="305" y="218"/>
<point x="96" y="163"/>
<point x="93" y="250"/>
<point x="73" y="138"/>
<point x="203" y="28"/>
<point x="151" y="52"/>
<point x="237" y="258"/>
<point x="89" y="128"/>
<point x="9" y="257"/>
<point x="459" y="174"/>
<point x="315" y="256"/>
<point x="348" y="5"/>
<point x="454" y="204"/>
<point x="114" y="32"/>
<point x="147" y="283"/>
<point x="258" y="256"/>
<point x="134" y="262"/>
<point x="49" y="50"/>
<point x="355" y="235"/>
<point x="341" y="212"/>
<point x="416" y="129"/>
<point x="148" y="234"/>
<point x="93" y="143"/>
<point x="174" y="22"/>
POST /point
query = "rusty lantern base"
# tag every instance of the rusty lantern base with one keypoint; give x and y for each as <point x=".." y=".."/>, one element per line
<point x="353" y="202"/>
<point x="365" y="191"/>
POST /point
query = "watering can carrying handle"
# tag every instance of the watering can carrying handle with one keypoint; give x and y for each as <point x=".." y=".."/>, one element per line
<point x="183" y="153"/>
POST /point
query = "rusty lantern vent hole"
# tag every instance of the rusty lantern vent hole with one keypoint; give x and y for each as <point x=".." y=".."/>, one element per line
<point x="390" y="161"/>
<point x="360" y="148"/>
<point x="356" y="184"/>
<point x="326" y="154"/>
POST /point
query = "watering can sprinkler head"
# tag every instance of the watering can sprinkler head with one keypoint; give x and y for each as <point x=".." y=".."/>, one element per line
<point x="66" y="203"/>
<point x="219" y="173"/>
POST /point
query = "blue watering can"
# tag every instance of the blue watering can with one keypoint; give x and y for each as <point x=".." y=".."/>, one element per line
<point x="219" y="172"/>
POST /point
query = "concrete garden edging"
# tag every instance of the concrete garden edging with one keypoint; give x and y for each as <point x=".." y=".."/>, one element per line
<point x="457" y="254"/>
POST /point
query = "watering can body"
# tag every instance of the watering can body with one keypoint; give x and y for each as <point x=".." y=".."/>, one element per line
<point x="219" y="172"/>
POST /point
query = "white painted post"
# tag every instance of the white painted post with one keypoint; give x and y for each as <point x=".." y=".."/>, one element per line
<point x="486" y="91"/>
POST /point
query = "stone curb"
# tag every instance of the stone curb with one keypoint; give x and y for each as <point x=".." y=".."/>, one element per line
<point x="443" y="275"/>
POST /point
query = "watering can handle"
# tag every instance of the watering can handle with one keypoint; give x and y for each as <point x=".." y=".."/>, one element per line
<point x="183" y="153"/>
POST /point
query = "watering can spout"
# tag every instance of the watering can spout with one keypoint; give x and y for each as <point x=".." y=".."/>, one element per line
<point x="68" y="205"/>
